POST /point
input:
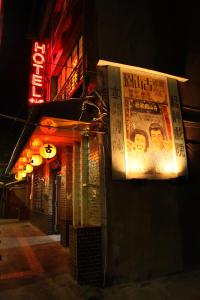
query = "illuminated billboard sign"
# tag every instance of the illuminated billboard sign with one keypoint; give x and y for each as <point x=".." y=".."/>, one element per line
<point x="36" y="94"/>
<point x="146" y="132"/>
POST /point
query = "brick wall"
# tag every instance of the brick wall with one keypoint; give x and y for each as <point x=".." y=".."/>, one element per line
<point x="41" y="210"/>
<point x="85" y="254"/>
<point x="76" y="190"/>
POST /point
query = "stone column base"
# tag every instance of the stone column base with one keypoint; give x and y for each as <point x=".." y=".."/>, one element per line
<point x="86" y="254"/>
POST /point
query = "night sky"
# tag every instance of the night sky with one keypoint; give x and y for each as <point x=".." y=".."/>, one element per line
<point x="14" y="72"/>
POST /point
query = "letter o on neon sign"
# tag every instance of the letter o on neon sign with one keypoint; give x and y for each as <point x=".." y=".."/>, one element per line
<point x="38" y="58"/>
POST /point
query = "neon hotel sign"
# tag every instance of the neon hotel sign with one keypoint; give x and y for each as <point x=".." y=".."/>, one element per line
<point x="36" y="94"/>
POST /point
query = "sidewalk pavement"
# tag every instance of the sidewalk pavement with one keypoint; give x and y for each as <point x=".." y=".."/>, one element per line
<point x="35" y="266"/>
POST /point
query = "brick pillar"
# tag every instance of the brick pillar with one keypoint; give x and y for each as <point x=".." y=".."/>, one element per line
<point x="66" y="195"/>
<point x="84" y="178"/>
<point x="76" y="184"/>
<point x="86" y="255"/>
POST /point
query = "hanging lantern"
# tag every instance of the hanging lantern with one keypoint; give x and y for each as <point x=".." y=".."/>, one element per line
<point x="22" y="160"/>
<point x="27" y="153"/>
<point x="28" y="168"/>
<point x="35" y="144"/>
<point x="19" y="167"/>
<point x="48" y="126"/>
<point x="20" y="175"/>
<point x="36" y="160"/>
<point x="48" y="151"/>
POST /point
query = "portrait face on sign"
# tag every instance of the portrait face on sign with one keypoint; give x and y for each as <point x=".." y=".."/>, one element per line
<point x="146" y="109"/>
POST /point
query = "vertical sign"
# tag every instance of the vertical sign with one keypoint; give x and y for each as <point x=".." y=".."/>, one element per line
<point x="116" y="123"/>
<point x="179" y="143"/>
<point x="36" y="94"/>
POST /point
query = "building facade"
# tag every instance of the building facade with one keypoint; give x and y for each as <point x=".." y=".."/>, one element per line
<point x="118" y="225"/>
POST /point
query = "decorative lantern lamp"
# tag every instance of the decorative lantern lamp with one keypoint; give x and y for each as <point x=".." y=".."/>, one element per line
<point x="19" y="167"/>
<point x="23" y="160"/>
<point x="48" y="151"/>
<point x="48" y="126"/>
<point x="20" y="175"/>
<point x="28" y="168"/>
<point x="27" y="153"/>
<point x="35" y="144"/>
<point x="36" y="160"/>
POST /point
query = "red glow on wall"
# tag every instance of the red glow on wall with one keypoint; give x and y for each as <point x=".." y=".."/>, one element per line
<point x="37" y="74"/>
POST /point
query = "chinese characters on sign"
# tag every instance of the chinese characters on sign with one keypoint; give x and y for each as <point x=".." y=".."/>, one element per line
<point x="180" y="151"/>
<point x="148" y="129"/>
<point x="147" y="140"/>
<point x="116" y="123"/>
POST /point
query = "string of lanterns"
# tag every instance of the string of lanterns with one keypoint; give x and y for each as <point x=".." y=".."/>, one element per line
<point x="33" y="157"/>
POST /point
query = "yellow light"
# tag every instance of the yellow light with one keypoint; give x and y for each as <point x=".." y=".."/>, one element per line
<point x="47" y="151"/>
<point x="28" y="168"/>
<point x="20" y="175"/>
<point x="27" y="153"/>
<point x="36" y="160"/>
<point x="35" y="144"/>
<point x="19" y="167"/>
<point x="22" y="160"/>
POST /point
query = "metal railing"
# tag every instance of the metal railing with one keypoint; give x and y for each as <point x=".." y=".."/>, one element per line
<point x="71" y="84"/>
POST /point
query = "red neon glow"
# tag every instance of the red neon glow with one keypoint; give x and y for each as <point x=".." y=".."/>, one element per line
<point x="37" y="74"/>
<point x="37" y="68"/>
<point x="41" y="48"/>
<point x="38" y="58"/>
<point x="34" y="94"/>
<point x="37" y="80"/>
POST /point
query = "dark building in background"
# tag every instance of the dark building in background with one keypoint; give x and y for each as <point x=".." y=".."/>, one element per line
<point x="116" y="229"/>
<point x="1" y="21"/>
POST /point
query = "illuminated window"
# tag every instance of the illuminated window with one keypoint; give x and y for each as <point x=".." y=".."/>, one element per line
<point x="69" y="67"/>
<point x="63" y="74"/>
<point x="71" y="73"/>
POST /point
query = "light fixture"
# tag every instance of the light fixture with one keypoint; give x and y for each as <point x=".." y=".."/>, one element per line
<point x="19" y="166"/>
<point x="27" y="153"/>
<point x="47" y="151"/>
<point x="28" y="168"/>
<point x="36" y="160"/>
<point x="20" y="175"/>
<point x="23" y="160"/>
<point x="35" y="144"/>
<point x="48" y="126"/>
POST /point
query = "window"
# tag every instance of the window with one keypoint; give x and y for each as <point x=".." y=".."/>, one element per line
<point x="71" y="73"/>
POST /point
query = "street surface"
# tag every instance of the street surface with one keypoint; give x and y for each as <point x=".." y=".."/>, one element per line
<point x="34" y="266"/>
